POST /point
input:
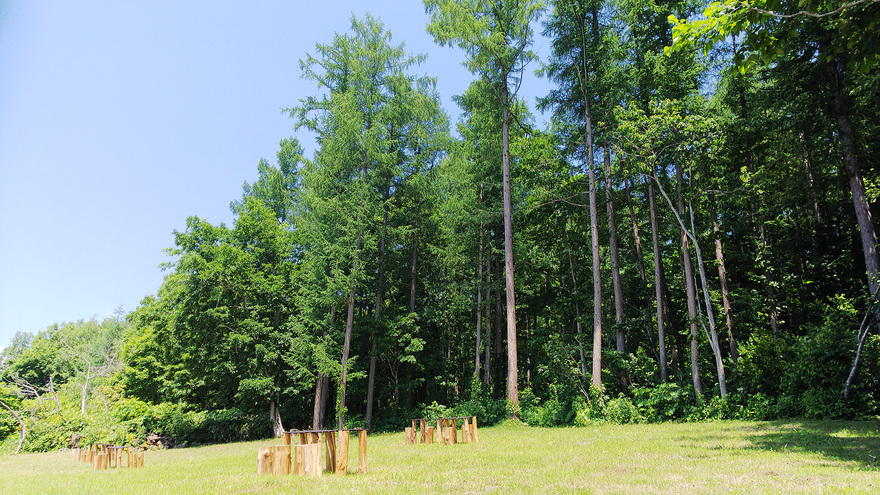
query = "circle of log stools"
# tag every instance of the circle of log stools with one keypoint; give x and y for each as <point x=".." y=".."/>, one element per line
<point x="105" y="455"/>
<point x="305" y="457"/>
<point x="447" y="429"/>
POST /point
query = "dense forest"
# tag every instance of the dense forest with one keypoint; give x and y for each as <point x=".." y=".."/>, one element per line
<point x="691" y="237"/>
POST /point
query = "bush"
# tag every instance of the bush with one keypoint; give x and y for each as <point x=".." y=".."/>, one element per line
<point x="622" y="411"/>
<point x="556" y="411"/>
<point x="665" y="402"/>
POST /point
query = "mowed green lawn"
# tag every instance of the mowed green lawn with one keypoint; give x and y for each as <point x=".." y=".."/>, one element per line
<point x="704" y="458"/>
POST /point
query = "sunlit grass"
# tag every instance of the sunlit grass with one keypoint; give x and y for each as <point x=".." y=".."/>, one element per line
<point x="719" y="457"/>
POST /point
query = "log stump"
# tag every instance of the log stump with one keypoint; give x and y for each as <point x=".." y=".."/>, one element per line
<point x="362" y="452"/>
<point x="342" y="453"/>
<point x="265" y="460"/>
<point x="329" y="452"/>
<point x="281" y="460"/>
<point x="299" y="459"/>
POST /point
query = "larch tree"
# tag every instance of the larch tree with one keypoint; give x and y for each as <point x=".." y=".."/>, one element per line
<point x="496" y="36"/>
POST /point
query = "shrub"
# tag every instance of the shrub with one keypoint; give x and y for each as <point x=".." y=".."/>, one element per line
<point x="665" y="402"/>
<point x="622" y="411"/>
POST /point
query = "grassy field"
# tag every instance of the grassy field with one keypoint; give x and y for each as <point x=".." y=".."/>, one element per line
<point x="718" y="457"/>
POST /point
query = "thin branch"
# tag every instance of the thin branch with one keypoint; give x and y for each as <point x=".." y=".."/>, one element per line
<point x="807" y="13"/>
<point x="21" y="424"/>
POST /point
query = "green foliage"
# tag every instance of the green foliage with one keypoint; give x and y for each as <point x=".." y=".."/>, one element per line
<point x="665" y="402"/>
<point x="812" y="385"/>
<point x="622" y="411"/>
<point x="435" y="410"/>
<point x="555" y="411"/>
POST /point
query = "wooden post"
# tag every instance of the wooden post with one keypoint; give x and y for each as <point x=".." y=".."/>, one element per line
<point x="465" y="431"/>
<point x="409" y="436"/>
<point x="100" y="462"/>
<point x="281" y="460"/>
<point x="342" y="453"/>
<point x="90" y="456"/>
<point x="286" y="437"/>
<point x="362" y="451"/>
<point x="265" y="461"/>
<point x="429" y="435"/>
<point x="316" y="458"/>
<point x="422" y="430"/>
<point x="446" y="435"/>
<point x="137" y="459"/>
<point x="474" y="432"/>
<point x="74" y="453"/>
<point x="299" y="459"/>
<point x="439" y="431"/>
<point x="315" y="438"/>
<point x="308" y="460"/>
<point x="303" y="438"/>
<point x="329" y="452"/>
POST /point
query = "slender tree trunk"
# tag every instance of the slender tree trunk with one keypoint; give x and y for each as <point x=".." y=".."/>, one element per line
<point x="688" y="270"/>
<point x="479" y="298"/>
<point x="722" y="277"/>
<point x="413" y="274"/>
<point x="499" y="329"/>
<point x="712" y="334"/>
<point x="322" y="387"/>
<point x="615" y="260"/>
<point x="380" y="292"/>
<point x="577" y="307"/>
<point x="487" y="375"/>
<point x="512" y="386"/>
<point x="846" y="135"/>
<point x="85" y="389"/>
<point x="658" y="285"/>
<point x="346" y="348"/>
<point x="319" y="396"/>
<point x="21" y="425"/>
<point x="275" y="416"/>
<point x="640" y="258"/>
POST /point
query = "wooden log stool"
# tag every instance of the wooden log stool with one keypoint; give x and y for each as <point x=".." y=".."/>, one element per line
<point x="329" y="451"/>
<point x="312" y="456"/>
<point x="362" y="452"/>
<point x="265" y="460"/>
<point x="137" y="459"/>
<point x="102" y="461"/>
<point x="299" y="459"/>
<point x="429" y="435"/>
<point x="342" y="453"/>
<point x="474" y="436"/>
<point x="115" y="456"/>
<point x="281" y="460"/>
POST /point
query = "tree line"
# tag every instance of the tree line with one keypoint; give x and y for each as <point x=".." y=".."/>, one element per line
<point x="690" y="236"/>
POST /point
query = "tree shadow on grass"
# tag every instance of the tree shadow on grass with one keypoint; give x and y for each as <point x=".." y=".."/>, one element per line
<point x="850" y="441"/>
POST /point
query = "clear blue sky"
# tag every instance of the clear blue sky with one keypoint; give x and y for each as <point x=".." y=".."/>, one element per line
<point x="118" y="120"/>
